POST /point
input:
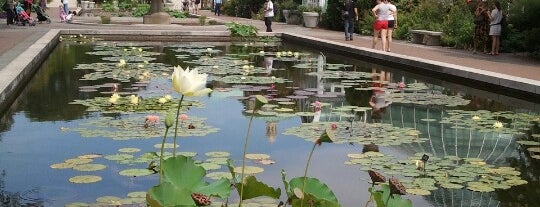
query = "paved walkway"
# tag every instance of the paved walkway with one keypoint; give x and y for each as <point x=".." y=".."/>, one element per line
<point x="15" y="39"/>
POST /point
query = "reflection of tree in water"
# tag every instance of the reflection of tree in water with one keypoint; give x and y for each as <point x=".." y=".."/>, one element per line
<point x="17" y="199"/>
<point x="528" y="194"/>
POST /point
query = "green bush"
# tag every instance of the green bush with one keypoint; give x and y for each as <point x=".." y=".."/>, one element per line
<point x="140" y="10"/>
<point x="458" y="27"/>
<point x="178" y="14"/>
<point x="125" y="5"/>
<point x="331" y="19"/>
<point x="202" y="20"/>
<point x="242" y="30"/>
<point x="107" y="6"/>
<point x="523" y="17"/>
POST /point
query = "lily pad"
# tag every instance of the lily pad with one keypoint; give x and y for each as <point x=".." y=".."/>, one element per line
<point x="85" y="179"/>
<point x="257" y="156"/>
<point x="136" y="172"/>
<point x="89" y="167"/>
<point x="249" y="170"/>
<point x="129" y="150"/>
<point x="217" y="154"/>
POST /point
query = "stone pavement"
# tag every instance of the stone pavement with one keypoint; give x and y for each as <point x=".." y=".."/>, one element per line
<point x="15" y="39"/>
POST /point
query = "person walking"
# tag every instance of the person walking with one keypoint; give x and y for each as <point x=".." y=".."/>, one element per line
<point x="9" y="7"/>
<point x="66" y="8"/>
<point x="217" y="5"/>
<point x="268" y="15"/>
<point x="481" y="27"/>
<point x="380" y="26"/>
<point x="495" y="27"/>
<point x="349" y="13"/>
<point x="392" y="23"/>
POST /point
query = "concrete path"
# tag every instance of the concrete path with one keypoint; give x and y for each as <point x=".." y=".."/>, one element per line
<point x="15" y="39"/>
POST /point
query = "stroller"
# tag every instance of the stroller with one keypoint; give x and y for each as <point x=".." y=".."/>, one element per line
<point x="41" y="15"/>
<point x="23" y="17"/>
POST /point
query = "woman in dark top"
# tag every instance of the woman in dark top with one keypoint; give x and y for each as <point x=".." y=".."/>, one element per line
<point x="481" y="26"/>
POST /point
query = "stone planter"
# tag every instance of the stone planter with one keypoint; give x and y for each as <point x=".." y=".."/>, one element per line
<point x="310" y="19"/>
<point x="91" y="5"/>
<point x="84" y="5"/>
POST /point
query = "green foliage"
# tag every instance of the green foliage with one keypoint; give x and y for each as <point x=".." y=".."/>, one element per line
<point x="315" y="191"/>
<point x="331" y="19"/>
<point x="108" y="7"/>
<point x="242" y="8"/>
<point x="127" y="4"/>
<point x="178" y="14"/>
<point x="523" y="17"/>
<point x="141" y="10"/>
<point x="242" y="30"/>
<point x="181" y="178"/>
<point x="202" y="20"/>
<point x="458" y="27"/>
<point x="252" y="187"/>
<point x="290" y="5"/>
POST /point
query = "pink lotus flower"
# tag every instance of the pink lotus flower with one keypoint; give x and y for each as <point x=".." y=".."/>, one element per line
<point x="334" y="126"/>
<point x="152" y="119"/>
<point x="317" y="105"/>
<point x="401" y="85"/>
<point x="183" y="117"/>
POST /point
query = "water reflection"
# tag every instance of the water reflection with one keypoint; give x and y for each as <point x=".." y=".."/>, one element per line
<point x="40" y="104"/>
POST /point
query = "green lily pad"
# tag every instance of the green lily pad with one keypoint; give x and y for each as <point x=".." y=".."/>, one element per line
<point x="136" y="172"/>
<point x="167" y="146"/>
<point x="112" y="200"/>
<point x="249" y="170"/>
<point x="257" y="156"/>
<point x="78" y="161"/>
<point x="129" y="150"/>
<point x="219" y="175"/>
<point x="418" y="191"/>
<point x="63" y="165"/>
<point x="77" y="204"/>
<point x="210" y="166"/>
<point x="89" y="167"/>
<point x="217" y="154"/>
<point x="137" y="194"/>
<point x="528" y="142"/>
<point x="85" y="179"/>
<point x="118" y="157"/>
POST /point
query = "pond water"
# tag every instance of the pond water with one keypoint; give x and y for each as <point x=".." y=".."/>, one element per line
<point x="408" y="116"/>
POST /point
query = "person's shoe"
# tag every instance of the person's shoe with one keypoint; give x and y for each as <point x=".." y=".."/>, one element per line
<point x="347" y="39"/>
<point x="350" y="38"/>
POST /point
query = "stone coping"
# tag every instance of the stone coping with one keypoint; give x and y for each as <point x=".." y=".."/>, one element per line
<point x="22" y="68"/>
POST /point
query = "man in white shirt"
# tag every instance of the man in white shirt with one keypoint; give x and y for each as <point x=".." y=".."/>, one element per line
<point x="268" y="14"/>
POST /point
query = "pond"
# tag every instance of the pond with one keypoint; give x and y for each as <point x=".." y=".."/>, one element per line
<point x="66" y="124"/>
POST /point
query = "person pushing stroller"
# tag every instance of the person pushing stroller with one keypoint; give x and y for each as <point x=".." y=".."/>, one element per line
<point x="24" y="18"/>
<point x="41" y="15"/>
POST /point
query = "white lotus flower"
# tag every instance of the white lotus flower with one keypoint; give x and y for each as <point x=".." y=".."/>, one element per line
<point x="261" y="52"/>
<point x="209" y="49"/>
<point x="114" y="98"/>
<point x="189" y="82"/>
<point x="168" y="97"/>
<point x="162" y="100"/>
<point x="289" y="53"/>
<point x="498" y="124"/>
<point x="246" y="67"/>
<point x="296" y="54"/>
<point x="134" y="99"/>
<point x="146" y="62"/>
<point x="475" y="118"/>
<point x="140" y="49"/>
<point x="122" y="63"/>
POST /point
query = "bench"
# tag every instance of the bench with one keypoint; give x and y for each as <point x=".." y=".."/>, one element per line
<point x="426" y="37"/>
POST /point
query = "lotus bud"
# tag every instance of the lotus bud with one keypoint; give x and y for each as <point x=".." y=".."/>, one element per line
<point x="215" y="67"/>
<point x="146" y="62"/>
<point x="251" y="43"/>
<point x="141" y="66"/>
<point x="246" y="67"/>
<point x="169" y="120"/>
<point x="334" y="126"/>
<point x="140" y="49"/>
<point x="168" y="97"/>
<point x="261" y="52"/>
<point x="265" y="44"/>
<point x="209" y="49"/>
<point x="325" y="137"/>
<point x="125" y="50"/>
<point x="260" y="101"/>
<point x="245" y="45"/>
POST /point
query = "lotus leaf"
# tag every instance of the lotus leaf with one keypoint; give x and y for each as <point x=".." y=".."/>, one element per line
<point x="181" y="178"/>
<point x="534" y="149"/>
<point x="119" y="157"/>
<point x="249" y="170"/>
<point x="138" y="194"/>
<point x="85" y="179"/>
<point x="218" y="160"/>
<point x="78" y="161"/>
<point x="90" y="156"/>
<point x="239" y="79"/>
<point x="219" y="175"/>
<point x="131" y="71"/>
<point x="210" y="166"/>
<point x="314" y="189"/>
<point x="417" y="191"/>
<point x="111" y="200"/>
<point x="77" y="204"/>
<point x="124" y="105"/>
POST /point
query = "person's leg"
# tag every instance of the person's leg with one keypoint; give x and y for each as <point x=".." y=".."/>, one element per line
<point x="218" y="8"/>
<point x="351" y="29"/>
<point x="346" y="28"/>
<point x="390" y="30"/>
<point x="493" y="44"/>
<point x="375" y="37"/>
<point x="384" y="33"/>
<point x="498" y="44"/>
<point x="268" y="24"/>
<point x="66" y="8"/>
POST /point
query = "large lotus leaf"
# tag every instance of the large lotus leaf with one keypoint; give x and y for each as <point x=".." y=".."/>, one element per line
<point x="314" y="187"/>
<point x="310" y="200"/>
<point x="181" y="178"/>
<point x="378" y="195"/>
<point x="252" y="187"/>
